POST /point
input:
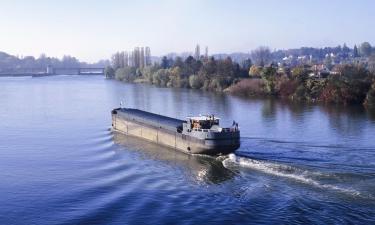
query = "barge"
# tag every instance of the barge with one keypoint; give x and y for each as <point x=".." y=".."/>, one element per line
<point x="195" y="135"/>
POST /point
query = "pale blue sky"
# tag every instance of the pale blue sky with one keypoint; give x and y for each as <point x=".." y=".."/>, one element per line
<point x="92" y="30"/>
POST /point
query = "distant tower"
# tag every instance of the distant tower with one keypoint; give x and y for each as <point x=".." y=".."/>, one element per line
<point x="148" y="56"/>
<point x="206" y="53"/>
<point x="197" y="52"/>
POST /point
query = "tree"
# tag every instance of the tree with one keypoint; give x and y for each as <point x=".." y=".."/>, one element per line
<point x="148" y="72"/>
<point x="42" y="60"/>
<point x="254" y="71"/>
<point x="116" y="60"/>
<point x="355" y="52"/>
<point x="161" y="77"/>
<point x="350" y="86"/>
<point x="371" y="64"/>
<point x="350" y="72"/>
<point x="328" y="62"/>
<point x="345" y="49"/>
<point x="69" y="61"/>
<point x="370" y="97"/>
<point x="225" y="67"/>
<point x="164" y="62"/>
<point x="299" y="73"/>
<point x="195" y="82"/>
<point x="125" y="74"/>
<point x="197" y="52"/>
<point x="109" y="72"/>
<point x="246" y="64"/>
<point x="269" y="76"/>
<point x="365" y="49"/>
<point x="178" y="62"/>
<point x="192" y="65"/>
<point x="209" y="67"/>
<point x="175" y="78"/>
<point x="261" y="56"/>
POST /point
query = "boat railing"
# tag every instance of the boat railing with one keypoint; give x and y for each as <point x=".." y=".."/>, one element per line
<point x="229" y="129"/>
<point x="223" y="130"/>
<point x="201" y="130"/>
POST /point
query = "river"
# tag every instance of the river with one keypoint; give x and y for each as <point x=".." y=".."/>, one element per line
<point x="61" y="164"/>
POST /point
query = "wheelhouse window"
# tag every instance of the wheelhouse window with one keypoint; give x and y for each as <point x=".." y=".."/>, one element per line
<point x="205" y="122"/>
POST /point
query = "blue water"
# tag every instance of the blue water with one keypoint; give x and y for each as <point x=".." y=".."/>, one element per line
<point x="61" y="164"/>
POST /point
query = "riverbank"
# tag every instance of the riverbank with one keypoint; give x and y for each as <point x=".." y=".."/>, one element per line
<point x="350" y="84"/>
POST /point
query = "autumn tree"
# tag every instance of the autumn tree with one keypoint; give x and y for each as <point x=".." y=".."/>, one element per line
<point x="269" y="76"/>
<point x="254" y="71"/>
<point x="370" y="97"/>
<point x="300" y="74"/>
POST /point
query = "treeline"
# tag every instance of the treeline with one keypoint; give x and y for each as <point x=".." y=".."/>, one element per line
<point x="205" y="73"/>
<point x="361" y="50"/>
<point x="340" y="53"/>
<point x="349" y="84"/>
<point x="10" y="62"/>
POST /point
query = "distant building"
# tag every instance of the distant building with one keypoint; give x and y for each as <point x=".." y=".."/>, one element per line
<point x="319" y="71"/>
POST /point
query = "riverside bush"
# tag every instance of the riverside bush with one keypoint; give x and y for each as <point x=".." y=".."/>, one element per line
<point x="248" y="87"/>
<point x="370" y="97"/>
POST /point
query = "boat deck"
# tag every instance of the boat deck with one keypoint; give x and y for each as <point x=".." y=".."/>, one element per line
<point x="151" y="118"/>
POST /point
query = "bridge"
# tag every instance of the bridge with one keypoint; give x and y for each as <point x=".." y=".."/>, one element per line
<point x="51" y="71"/>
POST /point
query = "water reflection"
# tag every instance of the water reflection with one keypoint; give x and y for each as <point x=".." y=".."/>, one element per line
<point x="204" y="169"/>
<point x="371" y="114"/>
<point x="268" y="110"/>
<point x="174" y="102"/>
<point x="346" y="120"/>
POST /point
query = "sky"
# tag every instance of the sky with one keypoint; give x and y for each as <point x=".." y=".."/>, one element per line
<point x="93" y="30"/>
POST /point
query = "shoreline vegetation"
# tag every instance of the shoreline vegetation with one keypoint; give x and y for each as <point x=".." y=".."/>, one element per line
<point x="346" y="83"/>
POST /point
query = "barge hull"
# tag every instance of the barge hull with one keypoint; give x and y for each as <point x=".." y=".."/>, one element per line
<point x="167" y="137"/>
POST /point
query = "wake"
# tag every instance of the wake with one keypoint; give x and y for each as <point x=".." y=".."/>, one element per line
<point x="285" y="171"/>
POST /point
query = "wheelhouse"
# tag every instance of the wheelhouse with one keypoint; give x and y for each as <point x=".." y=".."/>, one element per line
<point x="202" y="122"/>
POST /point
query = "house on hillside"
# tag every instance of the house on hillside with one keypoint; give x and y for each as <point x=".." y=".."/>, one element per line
<point x="319" y="71"/>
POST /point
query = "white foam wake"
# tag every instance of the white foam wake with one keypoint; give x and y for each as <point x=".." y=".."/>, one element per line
<point x="283" y="170"/>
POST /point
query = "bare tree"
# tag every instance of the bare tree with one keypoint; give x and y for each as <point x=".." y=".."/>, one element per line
<point x="261" y="56"/>
<point x="197" y="52"/>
